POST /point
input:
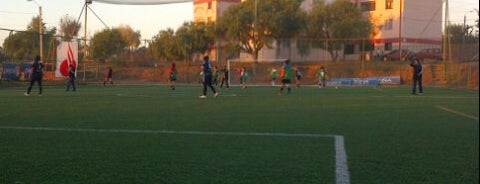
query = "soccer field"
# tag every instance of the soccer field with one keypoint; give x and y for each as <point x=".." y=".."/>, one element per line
<point x="150" y="134"/>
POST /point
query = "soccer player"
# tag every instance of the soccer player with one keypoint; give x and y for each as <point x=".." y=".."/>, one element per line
<point x="224" y="76"/>
<point x="36" y="76"/>
<point x="286" y="75"/>
<point x="273" y="76"/>
<point x="108" y="76"/>
<point x="243" y="77"/>
<point x="322" y="77"/>
<point x="417" y="75"/>
<point x="71" y="78"/>
<point x="298" y="77"/>
<point x="207" y="77"/>
<point x="173" y="76"/>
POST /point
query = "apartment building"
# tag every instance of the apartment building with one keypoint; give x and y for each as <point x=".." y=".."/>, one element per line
<point x="209" y="11"/>
<point x="409" y="24"/>
<point x="406" y="24"/>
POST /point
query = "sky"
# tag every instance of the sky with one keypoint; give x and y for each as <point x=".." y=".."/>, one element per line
<point x="148" y="19"/>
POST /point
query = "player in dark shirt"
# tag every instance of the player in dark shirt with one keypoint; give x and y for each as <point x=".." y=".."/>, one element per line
<point x="208" y="76"/>
<point x="108" y="76"/>
<point x="224" y="77"/>
<point x="36" y="76"/>
<point x="71" y="78"/>
<point x="417" y="75"/>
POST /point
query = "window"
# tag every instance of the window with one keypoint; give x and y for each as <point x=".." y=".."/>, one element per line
<point x="209" y="5"/>
<point x="368" y="6"/>
<point x="388" y="25"/>
<point x="388" y="46"/>
<point x="388" y="4"/>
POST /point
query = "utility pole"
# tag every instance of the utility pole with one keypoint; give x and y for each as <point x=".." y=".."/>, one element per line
<point x="400" y="30"/>
<point x="40" y="29"/>
<point x="87" y="2"/>
<point x="255" y="53"/>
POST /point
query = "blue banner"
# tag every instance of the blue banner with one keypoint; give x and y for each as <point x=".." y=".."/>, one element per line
<point x="382" y="80"/>
<point x="11" y="71"/>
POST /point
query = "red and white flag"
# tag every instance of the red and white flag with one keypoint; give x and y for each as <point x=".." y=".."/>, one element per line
<point x="67" y="54"/>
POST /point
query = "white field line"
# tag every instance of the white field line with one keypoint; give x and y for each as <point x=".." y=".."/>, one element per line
<point x="342" y="175"/>
<point x="439" y="97"/>
<point x="341" y="167"/>
<point x="456" y="112"/>
<point x="168" y="95"/>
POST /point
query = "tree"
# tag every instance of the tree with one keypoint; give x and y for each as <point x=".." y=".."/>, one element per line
<point x="275" y="19"/>
<point x="165" y="46"/>
<point x="24" y="45"/>
<point x="131" y="38"/>
<point x="107" y="44"/>
<point x="337" y="24"/>
<point x="195" y="39"/>
<point x="460" y="34"/>
<point x="69" y="28"/>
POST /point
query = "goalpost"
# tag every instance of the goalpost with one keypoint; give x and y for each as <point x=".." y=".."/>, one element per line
<point x="255" y="67"/>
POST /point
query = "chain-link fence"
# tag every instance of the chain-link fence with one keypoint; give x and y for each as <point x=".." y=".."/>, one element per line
<point x="456" y="67"/>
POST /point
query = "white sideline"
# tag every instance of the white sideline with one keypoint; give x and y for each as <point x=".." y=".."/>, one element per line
<point x="341" y="167"/>
<point x="456" y="112"/>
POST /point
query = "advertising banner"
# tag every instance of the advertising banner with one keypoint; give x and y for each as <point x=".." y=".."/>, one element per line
<point x="382" y="80"/>
<point x="11" y="71"/>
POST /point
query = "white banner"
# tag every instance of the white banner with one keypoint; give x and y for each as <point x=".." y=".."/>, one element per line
<point x="67" y="54"/>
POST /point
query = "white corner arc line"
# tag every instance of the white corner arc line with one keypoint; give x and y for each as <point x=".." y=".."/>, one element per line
<point x="342" y="175"/>
<point x="456" y="112"/>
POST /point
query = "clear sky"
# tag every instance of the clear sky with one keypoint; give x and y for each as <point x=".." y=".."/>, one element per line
<point x="148" y="19"/>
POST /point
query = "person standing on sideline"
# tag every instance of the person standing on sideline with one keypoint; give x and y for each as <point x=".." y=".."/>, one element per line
<point x="173" y="76"/>
<point x="322" y="77"/>
<point x="298" y="77"/>
<point x="71" y="78"/>
<point x="108" y="76"/>
<point x="243" y="77"/>
<point x="224" y="76"/>
<point x="417" y="75"/>
<point x="36" y="76"/>
<point x="273" y="76"/>
<point x="286" y="76"/>
<point x="240" y="72"/>
<point x="207" y="77"/>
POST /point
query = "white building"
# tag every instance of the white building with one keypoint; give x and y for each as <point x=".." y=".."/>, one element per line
<point x="409" y="24"/>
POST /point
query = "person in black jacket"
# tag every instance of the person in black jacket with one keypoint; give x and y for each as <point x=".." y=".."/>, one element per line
<point x="224" y="76"/>
<point x="108" y="76"/>
<point x="71" y="78"/>
<point x="417" y="75"/>
<point x="207" y="77"/>
<point x="36" y="76"/>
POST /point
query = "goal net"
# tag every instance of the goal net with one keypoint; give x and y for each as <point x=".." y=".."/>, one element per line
<point x="258" y="72"/>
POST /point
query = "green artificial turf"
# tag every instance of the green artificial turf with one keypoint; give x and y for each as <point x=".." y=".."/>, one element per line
<point x="390" y="136"/>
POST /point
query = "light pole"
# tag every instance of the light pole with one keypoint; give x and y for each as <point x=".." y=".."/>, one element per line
<point x="40" y="29"/>
<point x="465" y="30"/>
<point x="465" y="23"/>
<point x="255" y="53"/>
